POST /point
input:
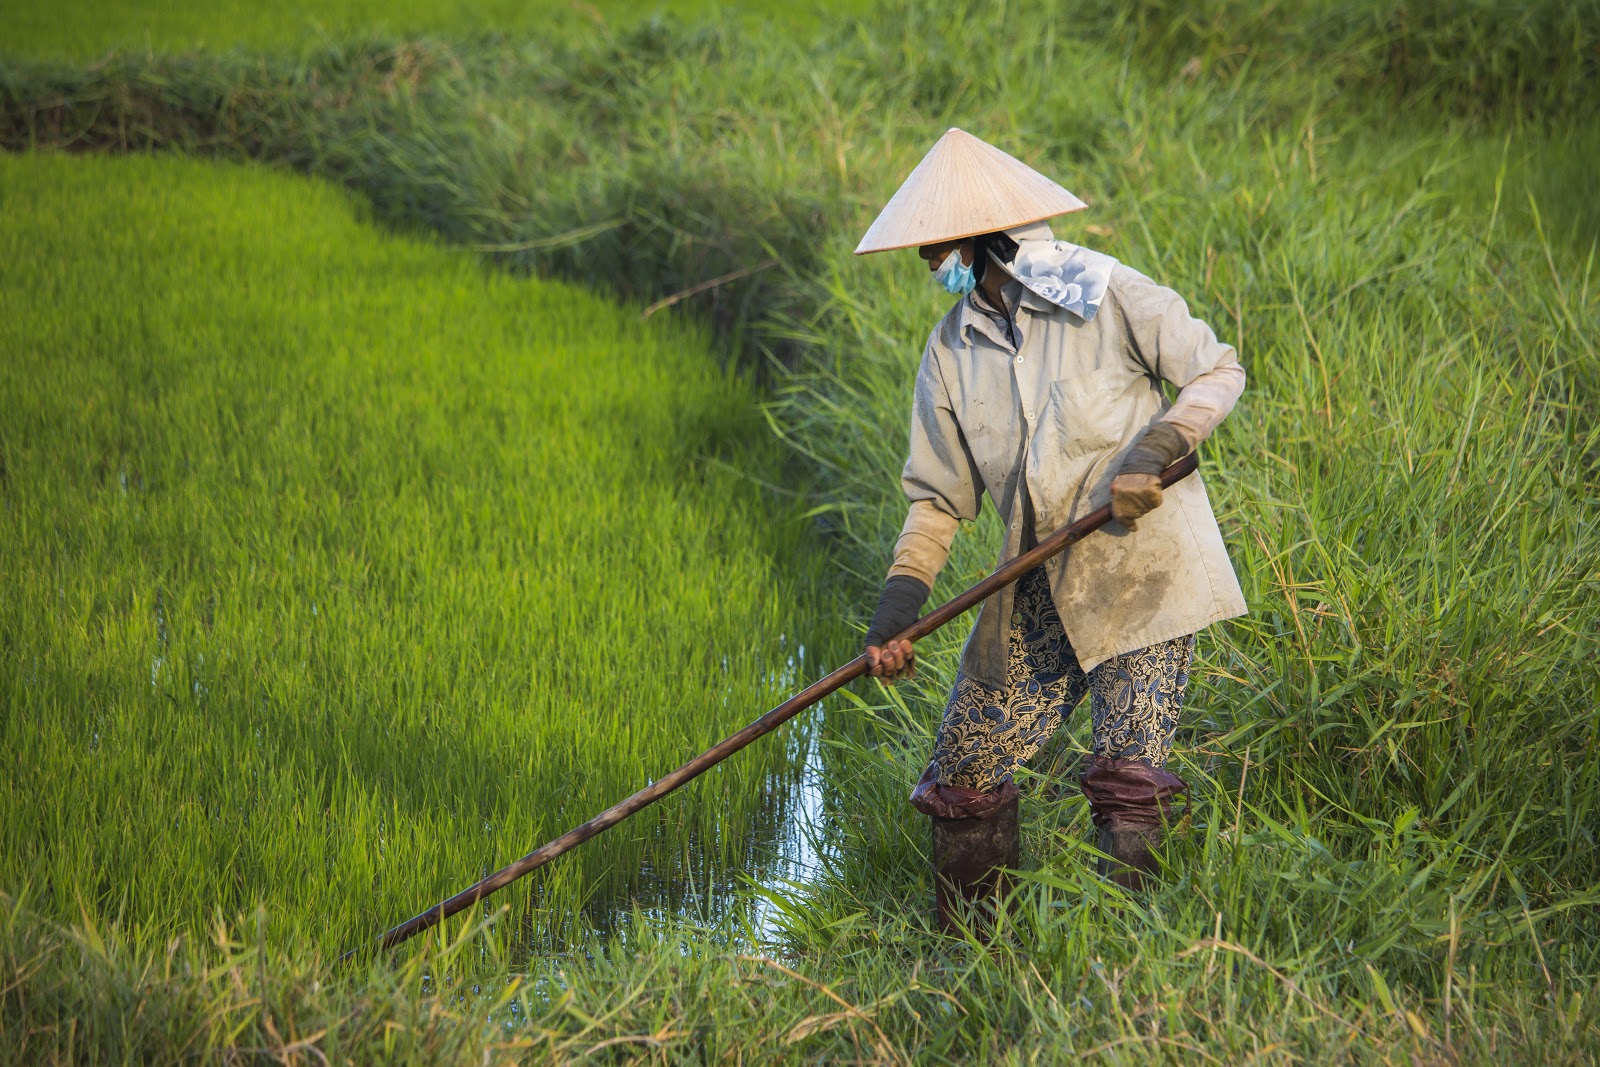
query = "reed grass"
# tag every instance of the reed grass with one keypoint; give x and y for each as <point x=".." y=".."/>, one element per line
<point x="1389" y="854"/>
<point x="82" y="31"/>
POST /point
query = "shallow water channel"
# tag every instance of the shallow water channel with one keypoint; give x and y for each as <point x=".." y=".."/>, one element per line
<point x="704" y="889"/>
<point x="780" y="844"/>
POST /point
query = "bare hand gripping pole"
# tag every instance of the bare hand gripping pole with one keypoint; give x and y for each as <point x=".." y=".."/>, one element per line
<point x="808" y="696"/>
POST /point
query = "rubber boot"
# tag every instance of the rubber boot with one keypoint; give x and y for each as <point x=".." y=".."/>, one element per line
<point x="1132" y="861"/>
<point x="974" y="833"/>
<point x="968" y="855"/>
<point x="1131" y="802"/>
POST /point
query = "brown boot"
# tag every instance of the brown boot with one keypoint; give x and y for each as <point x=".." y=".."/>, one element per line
<point x="968" y="855"/>
<point x="1132" y="860"/>
<point x="975" y="834"/>
<point x="1131" y="801"/>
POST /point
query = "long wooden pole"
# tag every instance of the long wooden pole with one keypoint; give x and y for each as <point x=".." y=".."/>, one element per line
<point x="1008" y="573"/>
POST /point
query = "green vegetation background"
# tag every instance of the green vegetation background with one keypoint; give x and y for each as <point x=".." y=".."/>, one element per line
<point x="85" y="30"/>
<point x="1390" y="850"/>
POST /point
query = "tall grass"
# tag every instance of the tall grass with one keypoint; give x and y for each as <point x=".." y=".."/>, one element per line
<point x="655" y="159"/>
<point x="1389" y="854"/>
<point x="84" y="31"/>
<point x="1395" y="754"/>
<point x="1464" y="56"/>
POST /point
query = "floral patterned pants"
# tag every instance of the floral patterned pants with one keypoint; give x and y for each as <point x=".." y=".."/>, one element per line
<point x="1135" y="699"/>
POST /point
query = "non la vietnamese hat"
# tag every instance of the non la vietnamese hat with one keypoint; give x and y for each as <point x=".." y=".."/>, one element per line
<point x="964" y="187"/>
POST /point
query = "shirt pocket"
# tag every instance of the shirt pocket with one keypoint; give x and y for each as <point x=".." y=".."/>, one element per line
<point x="1087" y="412"/>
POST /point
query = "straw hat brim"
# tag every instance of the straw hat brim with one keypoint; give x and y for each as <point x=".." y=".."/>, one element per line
<point x="963" y="236"/>
<point x="964" y="187"/>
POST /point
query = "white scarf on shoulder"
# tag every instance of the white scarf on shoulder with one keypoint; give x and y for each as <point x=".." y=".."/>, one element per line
<point x="1069" y="276"/>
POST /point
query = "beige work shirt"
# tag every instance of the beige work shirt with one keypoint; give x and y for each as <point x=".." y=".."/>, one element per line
<point x="1041" y="411"/>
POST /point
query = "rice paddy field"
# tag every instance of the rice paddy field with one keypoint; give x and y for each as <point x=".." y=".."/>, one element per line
<point x="359" y="533"/>
<point x="343" y="555"/>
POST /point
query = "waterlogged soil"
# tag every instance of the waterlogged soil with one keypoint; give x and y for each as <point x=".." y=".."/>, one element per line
<point x="784" y="849"/>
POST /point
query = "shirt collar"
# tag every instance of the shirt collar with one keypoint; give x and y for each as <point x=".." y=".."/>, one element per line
<point x="1032" y="301"/>
<point x="972" y="315"/>
<point x="976" y="316"/>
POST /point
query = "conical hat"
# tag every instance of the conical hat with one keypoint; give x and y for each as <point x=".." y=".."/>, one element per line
<point x="964" y="187"/>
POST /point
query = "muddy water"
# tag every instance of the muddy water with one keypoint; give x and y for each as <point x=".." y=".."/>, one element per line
<point x="783" y="848"/>
<point x="715" y="885"/>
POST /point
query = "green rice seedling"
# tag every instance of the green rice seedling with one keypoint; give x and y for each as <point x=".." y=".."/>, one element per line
<point x="341" y="571"/>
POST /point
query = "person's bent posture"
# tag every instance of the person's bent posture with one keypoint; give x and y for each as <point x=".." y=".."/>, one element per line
<point x="1042" y="388"/>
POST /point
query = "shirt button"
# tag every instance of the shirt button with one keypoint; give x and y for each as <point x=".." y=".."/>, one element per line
<point x="1019" y="359"/>
<point x="1028" y="415"/>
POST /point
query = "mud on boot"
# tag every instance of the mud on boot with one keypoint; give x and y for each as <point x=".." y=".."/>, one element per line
<point x="976" y="838"/>
<point x="1131" y="802"/>
<point x="1132" y="852"/>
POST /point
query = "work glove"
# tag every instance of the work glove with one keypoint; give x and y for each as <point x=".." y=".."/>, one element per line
<point x="1136" y="487"/>
<point x="898" y="607"/>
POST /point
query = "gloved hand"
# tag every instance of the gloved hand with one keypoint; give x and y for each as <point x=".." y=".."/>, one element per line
<point x="1134" y="496"/>
<point x="898" y="607"/>
<point x="1136" y="487"/>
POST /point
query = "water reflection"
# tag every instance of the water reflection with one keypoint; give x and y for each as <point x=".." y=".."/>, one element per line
<point x="783" y="845"/>
<point x="700" y="880"/>
<point x="701" y="863"/>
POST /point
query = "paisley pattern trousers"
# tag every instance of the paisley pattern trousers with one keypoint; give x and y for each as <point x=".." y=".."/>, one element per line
<point x="1135" y="699"/>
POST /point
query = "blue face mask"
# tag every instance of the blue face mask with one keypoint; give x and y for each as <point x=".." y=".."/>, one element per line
<point x="956" y="277"/>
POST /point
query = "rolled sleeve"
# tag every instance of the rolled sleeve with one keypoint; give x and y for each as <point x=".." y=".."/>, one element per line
<point x="924" y="544"/>
<point x="1205" y="402"/>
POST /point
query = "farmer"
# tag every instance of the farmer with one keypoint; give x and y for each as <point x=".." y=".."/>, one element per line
<point x="1042" y="388"/>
